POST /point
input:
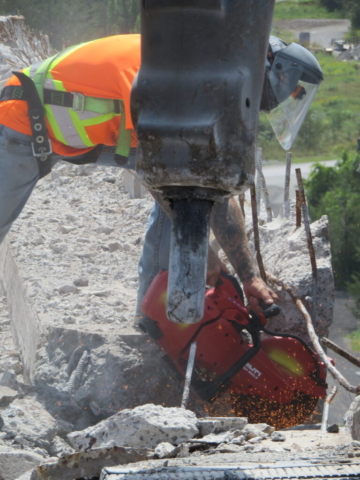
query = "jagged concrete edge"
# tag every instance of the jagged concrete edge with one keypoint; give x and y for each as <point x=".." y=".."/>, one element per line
<point x="24" y="321"/>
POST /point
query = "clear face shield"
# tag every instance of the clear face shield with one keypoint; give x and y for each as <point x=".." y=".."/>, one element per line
<point x="290" y="88"/>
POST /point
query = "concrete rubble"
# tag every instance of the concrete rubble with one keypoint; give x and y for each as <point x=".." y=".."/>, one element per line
<point x="139" y="428"/>
<point x="286" y="256"/>
<point x="244" y="440"/>
<point x="352" y="419"/>
<point x="15" y="462"/>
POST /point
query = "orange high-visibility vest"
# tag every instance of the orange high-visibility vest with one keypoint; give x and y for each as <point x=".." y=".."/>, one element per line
<point x="102" y="69"/>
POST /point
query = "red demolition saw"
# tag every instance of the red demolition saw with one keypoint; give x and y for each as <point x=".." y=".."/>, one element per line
<point x="272" y="378"/>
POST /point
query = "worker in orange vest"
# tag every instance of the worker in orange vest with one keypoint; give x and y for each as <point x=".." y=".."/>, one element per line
<point x="76" y="106"/>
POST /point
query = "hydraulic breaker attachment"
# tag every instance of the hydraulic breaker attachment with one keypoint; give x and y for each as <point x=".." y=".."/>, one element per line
<point x="195" y="106"/>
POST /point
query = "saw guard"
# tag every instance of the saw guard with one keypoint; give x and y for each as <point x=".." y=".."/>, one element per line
<point x="282" y="366"/>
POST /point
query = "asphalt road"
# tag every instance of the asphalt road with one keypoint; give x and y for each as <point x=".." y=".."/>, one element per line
<point x="322" y="31"/>
<point x="275" y="180"/>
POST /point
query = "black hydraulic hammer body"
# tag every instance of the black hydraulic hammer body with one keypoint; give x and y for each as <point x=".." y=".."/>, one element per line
<point x="195" y="107"/>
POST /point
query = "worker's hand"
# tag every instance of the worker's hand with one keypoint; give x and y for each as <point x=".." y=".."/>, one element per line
<point x="214" y="267"/>
<point x="255" y="290"/>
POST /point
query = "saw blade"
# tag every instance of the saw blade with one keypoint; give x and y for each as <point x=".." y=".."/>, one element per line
<point x="263" y="410"/>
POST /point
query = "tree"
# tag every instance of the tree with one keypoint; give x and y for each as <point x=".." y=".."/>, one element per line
<point x="68" y="22"/>
<point x="332" y="5"/>
<point x="350" y="8"/>
<point x="335" y="191"/>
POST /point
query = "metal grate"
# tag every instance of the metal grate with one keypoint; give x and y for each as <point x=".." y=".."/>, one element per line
<point x="223" y="472"/>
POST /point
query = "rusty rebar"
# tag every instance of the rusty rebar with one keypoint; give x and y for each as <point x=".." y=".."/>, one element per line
<point x="298" y="209"/>
<point x="264" y="190"/>
<point x="256" y="234"/>
<point x="261" y="184"/>
<point x="242" y="203"/>
<point x="305" y="215"/>
<point x="189" y="372"/>
<point x="340" y="351"/>
<point x="325" y="414"/>
<point x="76" y="376"/>
<point x="258" y="163"/>
<point x="269" y="212"/>
<point x="287" y="185"/>
<point x="313" y="337"/>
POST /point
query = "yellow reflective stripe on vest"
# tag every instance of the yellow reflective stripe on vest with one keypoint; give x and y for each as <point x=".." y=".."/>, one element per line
<point x="69" y="126"/>
<point x="62" y="122"/>
<point x="50" y="115"/>
<point x="72" y="124"/>
<point x="124" y="139"/>
<point x="80" y="128"/>
<point x="68" y="51"/>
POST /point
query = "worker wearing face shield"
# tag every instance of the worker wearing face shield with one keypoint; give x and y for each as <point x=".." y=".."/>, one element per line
<point x="292" y="78"/>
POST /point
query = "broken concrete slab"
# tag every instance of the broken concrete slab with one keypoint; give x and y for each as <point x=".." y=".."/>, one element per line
<point x="88" y="464"/>
<point x="166" y="450"/>
<point x="251" y="431"/>
<point x="7" y="395"/>
<point x="59" y="448"/>
<point x="144" y="426"/>
<point x="133" y="186"/>
<point x="278" y="437"/>
<point x="14" y="463"/>
<point x="217" y="438"/>
<point x="228" y="448"/>
<point x="352" y="419"/>
<point x="26" y="475"/>
<point x="28" y="419"/>
<point x="209" y="425"/>
<point x="118" y="373"/>
<point x="124" y="368"/>
<point x="285" y="254"/>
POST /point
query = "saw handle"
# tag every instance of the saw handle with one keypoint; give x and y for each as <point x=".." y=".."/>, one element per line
<point x="269" y="310"/>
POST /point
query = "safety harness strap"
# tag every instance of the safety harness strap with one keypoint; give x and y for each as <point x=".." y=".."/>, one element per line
<point x="122" y="151"/>
<point x="40" y="75"/>
<point x="33" y="92"/>
<point x="12" y="92"/>
<point x="41" y="145"/>
<point x="73" y="100"/>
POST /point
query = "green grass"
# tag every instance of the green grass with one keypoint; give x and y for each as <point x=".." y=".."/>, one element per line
<point x="332" y="125"/>
<point x="290" y="10"/>
<point x="354" y="338"/>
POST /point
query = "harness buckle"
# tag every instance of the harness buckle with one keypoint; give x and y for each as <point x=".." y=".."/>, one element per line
<point x="78" y="102"/>
<point x="41" y="151"/>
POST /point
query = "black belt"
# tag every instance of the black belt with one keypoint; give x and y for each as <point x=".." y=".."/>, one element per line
<point x="51" y="97"/>
<point x="41" y="145"/>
